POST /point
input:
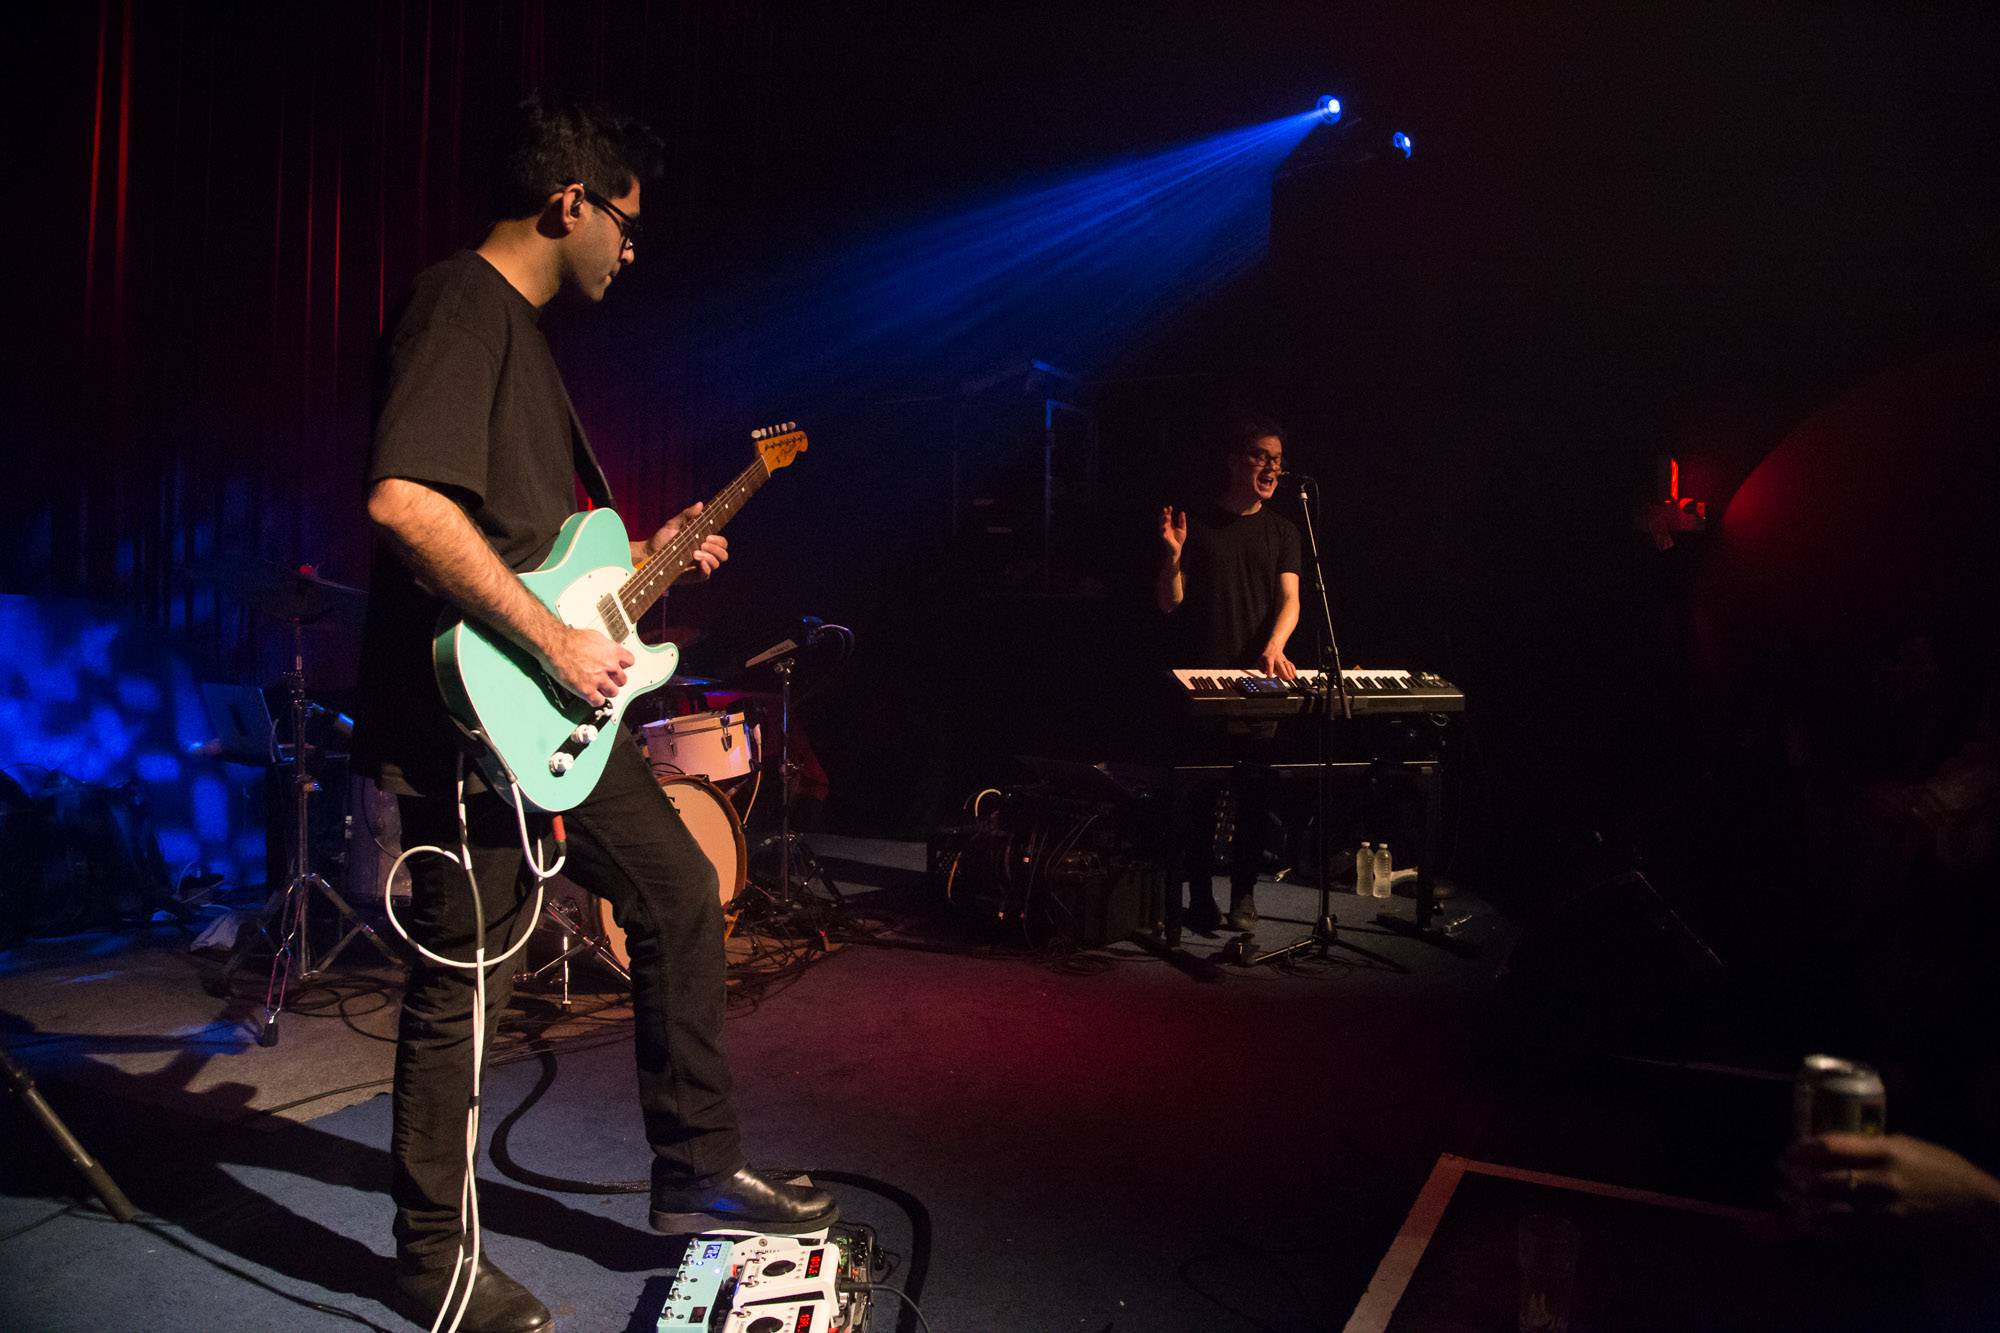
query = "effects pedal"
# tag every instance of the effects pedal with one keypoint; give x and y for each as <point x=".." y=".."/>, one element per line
<point x="741" y="1282"/>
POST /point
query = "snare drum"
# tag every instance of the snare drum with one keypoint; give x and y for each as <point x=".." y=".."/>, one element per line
<point x="716" y="746"/>
<point x="717" y="831"/>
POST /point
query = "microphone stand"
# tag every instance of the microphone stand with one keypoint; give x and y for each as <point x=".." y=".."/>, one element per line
<point x="795" y="857"/>
<point x="1325" y="933"/>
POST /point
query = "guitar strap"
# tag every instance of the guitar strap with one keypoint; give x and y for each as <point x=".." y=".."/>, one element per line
<point x="584" y="459"/>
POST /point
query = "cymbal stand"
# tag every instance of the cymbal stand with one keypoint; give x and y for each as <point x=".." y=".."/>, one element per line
<point x="1332" y="693"/>
<point x="291" y="945"/>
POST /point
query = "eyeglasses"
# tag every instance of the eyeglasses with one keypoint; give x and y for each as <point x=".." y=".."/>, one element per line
<point x="628" y="226"/>
<point x="1262" y="462"/>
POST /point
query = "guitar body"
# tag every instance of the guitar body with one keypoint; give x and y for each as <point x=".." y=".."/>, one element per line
<point x="503" y="693"/>
<point x="535" y="732"/>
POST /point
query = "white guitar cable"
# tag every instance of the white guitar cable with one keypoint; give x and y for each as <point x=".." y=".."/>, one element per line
<point x="467" y="1265"/>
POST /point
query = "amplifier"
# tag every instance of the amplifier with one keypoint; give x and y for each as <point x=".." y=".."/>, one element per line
<point x="1045" y="869"/>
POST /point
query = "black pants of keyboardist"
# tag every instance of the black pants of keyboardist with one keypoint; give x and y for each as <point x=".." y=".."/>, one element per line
<point x="1246" y="748"/>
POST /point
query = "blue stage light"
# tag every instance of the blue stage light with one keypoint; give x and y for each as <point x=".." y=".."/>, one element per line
<point x="1329" y="109"/>
<point x="1081" y="267"/>
<point x="1402" y="142"/>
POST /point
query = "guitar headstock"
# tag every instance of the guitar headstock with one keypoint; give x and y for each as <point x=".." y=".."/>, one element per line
<point x="778" y="445"/>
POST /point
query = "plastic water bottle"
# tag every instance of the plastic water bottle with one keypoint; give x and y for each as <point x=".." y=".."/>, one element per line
<point x="1383" y="870"/>
<point x="1364" y="870"/>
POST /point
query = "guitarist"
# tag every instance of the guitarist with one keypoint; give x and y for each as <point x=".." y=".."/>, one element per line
<point x="475" y="461"/>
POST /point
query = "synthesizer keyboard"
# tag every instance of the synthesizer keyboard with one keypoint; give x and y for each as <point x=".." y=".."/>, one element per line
<point x="1233" y="692"/>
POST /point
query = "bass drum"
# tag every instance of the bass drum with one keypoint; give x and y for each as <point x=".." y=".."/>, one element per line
<point x="717" y="831"/>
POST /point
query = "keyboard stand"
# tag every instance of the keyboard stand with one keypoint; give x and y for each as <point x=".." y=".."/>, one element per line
<point x="1426" y="927"/>
<point x="1428" y="774"/>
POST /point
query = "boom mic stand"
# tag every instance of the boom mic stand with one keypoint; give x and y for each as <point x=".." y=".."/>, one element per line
<point x="1332" y="692"/>
<point x="784" y="661"/>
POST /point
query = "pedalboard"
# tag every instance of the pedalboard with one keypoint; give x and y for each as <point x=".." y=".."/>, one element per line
<point x="743" y="1282"/>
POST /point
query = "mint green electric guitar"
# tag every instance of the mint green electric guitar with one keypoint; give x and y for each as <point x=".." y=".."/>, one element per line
<point x="537" y="733"/>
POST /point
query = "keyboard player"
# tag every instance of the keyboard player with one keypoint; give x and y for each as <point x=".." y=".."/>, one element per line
<point x="1228" y="584"/>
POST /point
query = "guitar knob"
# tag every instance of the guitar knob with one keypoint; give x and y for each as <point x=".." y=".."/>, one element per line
<point x="584" y="734"/>
<point x="560" y="764"/>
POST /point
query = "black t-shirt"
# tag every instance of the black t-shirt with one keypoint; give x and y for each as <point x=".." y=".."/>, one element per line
<point x="468" y="400"/>
<point x="1229" y="571"/>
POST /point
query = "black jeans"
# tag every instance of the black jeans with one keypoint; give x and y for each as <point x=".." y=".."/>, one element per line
<point x="1246" y="746"/>
<point x="627" y="845"/>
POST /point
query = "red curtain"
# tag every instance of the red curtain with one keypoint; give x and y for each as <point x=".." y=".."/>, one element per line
<point x="255" y="185"/>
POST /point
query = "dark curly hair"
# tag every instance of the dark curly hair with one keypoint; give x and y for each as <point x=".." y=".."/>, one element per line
<point x="551" y="141"/>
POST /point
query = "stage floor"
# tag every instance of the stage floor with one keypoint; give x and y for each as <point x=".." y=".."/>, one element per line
<point x="1090" y="1141"/>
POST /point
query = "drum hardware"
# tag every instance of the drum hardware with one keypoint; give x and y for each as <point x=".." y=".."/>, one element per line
<point x="585" y="925"/>
<point x="287" y="907"/>
<point x="571" y="920"/>
<point x="793" y="853"/>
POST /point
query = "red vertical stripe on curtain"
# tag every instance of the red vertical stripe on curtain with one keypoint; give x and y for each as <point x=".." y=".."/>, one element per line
<point x="96" y="164"/>
<point x="381" y="180"/>
<point x="339" y="178"/>
<point x="306" y="297"/>
<point x="278" y="218"/>
<point x="125" y="53"/>
<point x="424" y="137"/>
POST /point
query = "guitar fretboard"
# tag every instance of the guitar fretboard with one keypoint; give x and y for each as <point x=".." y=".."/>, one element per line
<point x="648" y="583"/>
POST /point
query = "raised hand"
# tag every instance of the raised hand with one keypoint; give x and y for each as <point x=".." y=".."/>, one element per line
<point x="1173" y="531"/>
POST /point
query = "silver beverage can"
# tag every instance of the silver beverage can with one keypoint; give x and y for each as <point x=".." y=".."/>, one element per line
<point x="1848" y="1100"/>
<point x="1813" y="1070"/>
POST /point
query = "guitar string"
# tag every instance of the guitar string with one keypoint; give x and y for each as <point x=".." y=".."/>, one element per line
<point x="635" y="595"/>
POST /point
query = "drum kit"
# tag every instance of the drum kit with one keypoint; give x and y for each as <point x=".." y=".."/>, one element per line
<point x="709" y="764"/>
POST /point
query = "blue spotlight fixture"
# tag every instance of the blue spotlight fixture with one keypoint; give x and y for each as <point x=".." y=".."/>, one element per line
<point x="1402" y="143"/>
<point x="1329" y="109"/>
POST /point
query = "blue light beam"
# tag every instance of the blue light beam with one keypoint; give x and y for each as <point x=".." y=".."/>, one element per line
<point x="1079" y="270"/>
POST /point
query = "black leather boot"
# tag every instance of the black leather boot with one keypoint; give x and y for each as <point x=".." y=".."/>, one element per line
<point x="746" y="1201"/>
<point x="499" y="1303"/>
